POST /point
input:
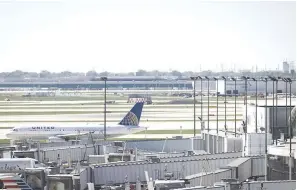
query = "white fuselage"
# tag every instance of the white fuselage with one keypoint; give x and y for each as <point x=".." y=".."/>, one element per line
<point x="46" y="131"/>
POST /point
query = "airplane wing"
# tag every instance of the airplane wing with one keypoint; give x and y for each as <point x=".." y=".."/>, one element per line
<point x="72" y="135"/>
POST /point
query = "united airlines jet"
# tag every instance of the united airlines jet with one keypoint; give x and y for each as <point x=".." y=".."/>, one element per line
<point x="128" y="125"/>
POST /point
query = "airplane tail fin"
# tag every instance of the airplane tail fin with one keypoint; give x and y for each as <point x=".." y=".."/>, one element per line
<point x="132" y="118"/>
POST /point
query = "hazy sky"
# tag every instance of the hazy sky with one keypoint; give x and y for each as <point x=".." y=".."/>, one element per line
<point x="117" y="35"/>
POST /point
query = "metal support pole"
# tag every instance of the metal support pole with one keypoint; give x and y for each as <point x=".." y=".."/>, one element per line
<point x="276" y="85"/>
<point x="104" y="110"/>
<point x="235" y="97"/>
<point x="225" y="91"/>
<point x="276" y="102"/>
<point x="201" y="105"/>
<point x="256" y="106"/>
<point x="290" y="132"/>
<point x="217" y="137"/>
<point x="246" y="120"/>
<point x="266" y="126"/>
<point x="217" y="108"/>
<point x="194" y="107"/>
<point x="208" y="104"/>
<point x="285" y="80"/>
<point x="273" y="114"/>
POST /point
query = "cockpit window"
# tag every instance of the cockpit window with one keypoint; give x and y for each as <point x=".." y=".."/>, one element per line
<point x="15" y="130"/>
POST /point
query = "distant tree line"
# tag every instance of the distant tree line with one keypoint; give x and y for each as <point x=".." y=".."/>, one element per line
<point x="19" y="75"/>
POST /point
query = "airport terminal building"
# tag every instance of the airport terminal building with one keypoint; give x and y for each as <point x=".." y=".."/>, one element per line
<point x="152" y="83"/>
<point x="252" y="87"/>
<point x="145" y="83"/>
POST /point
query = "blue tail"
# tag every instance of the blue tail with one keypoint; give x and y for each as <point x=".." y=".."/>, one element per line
<point x="133" y="116"/>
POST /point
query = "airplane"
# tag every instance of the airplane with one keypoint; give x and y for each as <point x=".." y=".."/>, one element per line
<point x="128" y="125"/>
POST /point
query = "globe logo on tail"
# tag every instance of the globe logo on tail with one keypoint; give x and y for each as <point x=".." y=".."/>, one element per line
<point x="130" y="119"/>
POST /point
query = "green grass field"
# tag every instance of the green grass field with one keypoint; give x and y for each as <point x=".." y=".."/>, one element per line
<point x="82" y="112"/>
<point x="100" y="96"/>
<point x="114" y="121"/>
<point x="4" y="141"/>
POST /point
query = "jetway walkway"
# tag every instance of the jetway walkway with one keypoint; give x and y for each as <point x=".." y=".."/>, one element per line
<point x="240" y="169"/>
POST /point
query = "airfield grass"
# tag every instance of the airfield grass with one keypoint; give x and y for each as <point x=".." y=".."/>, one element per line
<point x="4" y="141"/>
<point x="86" y="121"/>
<point x="41" y="112"/>
<point x="111" y="106"/>
<point x="109" y="97"/>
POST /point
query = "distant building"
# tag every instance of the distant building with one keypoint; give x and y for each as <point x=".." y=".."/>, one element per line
<point x="286" y="67"/>
<point x="112" y="83"/>
<point x="251" y="87"/>
<point x="293" y="68"/>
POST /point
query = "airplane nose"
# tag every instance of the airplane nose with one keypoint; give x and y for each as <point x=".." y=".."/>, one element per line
<point x="9" y="135"/>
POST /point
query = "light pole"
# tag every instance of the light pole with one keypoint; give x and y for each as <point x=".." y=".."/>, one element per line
<point x="285" y="80"/>
<point x="207" y="103"/>
<point x="273" y="114"/>
<point x="235" y="109"/>
<point x="245" y="86"/>
<point x="276" y="104"/>
<point x="217" y="139"/>
<point x="256" y="104"/>
<point x="194" y="80"/>
<point x="201" y="106"/>
<point x="290" y="130"/>
<point x="266" y="151"/>
<point x="246" y="120"/>
<point x="104" y="79"/>
<point x="225" y="102"/>
<point x="216" y="79"/>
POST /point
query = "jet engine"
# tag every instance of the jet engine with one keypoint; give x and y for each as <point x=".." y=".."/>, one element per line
<point x="56" y="139"/>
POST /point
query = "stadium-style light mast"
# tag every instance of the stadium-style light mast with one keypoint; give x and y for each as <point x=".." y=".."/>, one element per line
<point x="273" y="114"/>
<point x="235" y="109"/>
<point x="104" y="79"/>
<point x="266" y="130"/>
<point x="286" y="81"/>
<point x="217" y="141"/>
<point x="201" y="106"/>
<point x="290" y="130"/>
<point x="216" y="79"/>
<point x="246" y="118"/>
<point x="207" y="102"/>
<point x="194" y="80"/>
<point x="256" y="103"/>
<point x="225" y="102"/>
